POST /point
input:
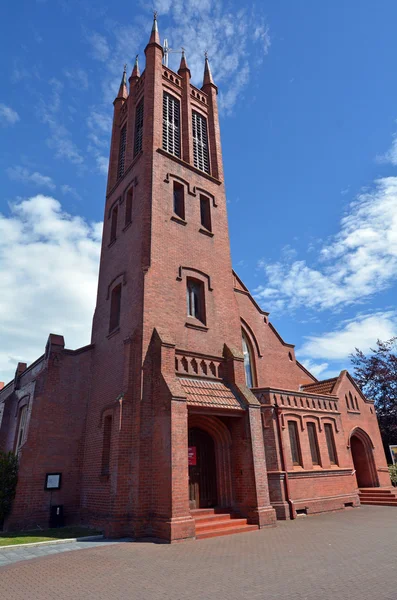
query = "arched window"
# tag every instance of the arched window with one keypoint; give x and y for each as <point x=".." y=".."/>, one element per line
<point x="248" y="362"/>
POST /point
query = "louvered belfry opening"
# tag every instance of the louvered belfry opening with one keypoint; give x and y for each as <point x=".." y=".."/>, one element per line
<point x="138" y="128"/>
<point x="121" y="163"/>
<point x="171" y="125"/>
<point x="200" y="143"/>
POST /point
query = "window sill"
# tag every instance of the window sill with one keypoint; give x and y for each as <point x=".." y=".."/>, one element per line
<point x="127" y="226"/>
<point x="354" y="412"/>
<point x="206" y="232"/>
<point x="113" y="332"/>
<point x="196" y="324"/>
<point x="189" y="166"/>
<point x="112" y="243"/>
<point x="104" y="477"/>
<point x="178" y="220"/>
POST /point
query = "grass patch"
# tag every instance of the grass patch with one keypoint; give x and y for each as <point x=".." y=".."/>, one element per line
<point x="44" y="535"/>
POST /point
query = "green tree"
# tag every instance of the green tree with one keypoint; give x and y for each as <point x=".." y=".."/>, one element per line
<point x="376" y="374"/>
<point x="8" y="483"/>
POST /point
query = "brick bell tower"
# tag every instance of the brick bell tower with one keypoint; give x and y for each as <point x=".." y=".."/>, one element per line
<point x="167" y="358"/>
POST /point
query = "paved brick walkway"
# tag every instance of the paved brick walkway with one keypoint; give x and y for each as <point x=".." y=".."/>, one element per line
<point x="346" y="556"/>
<point x="10" y="555"/>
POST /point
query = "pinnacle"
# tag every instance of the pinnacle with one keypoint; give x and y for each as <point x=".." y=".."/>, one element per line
<point x="207" y="72"/>
<point x="154" y="36"/>
<point x="123" y="93"/>
<point x="135" y="70"/>
<point x="183" y="66"/>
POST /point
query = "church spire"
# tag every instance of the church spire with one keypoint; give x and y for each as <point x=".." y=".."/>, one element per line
<point x="123" y="93"/>
<point x="154" y="36"/>
<point x="207" y="80"/>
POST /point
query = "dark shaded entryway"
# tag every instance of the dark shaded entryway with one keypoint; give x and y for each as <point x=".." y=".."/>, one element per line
<point x="202" y="470"/>
<point x="363" y="459"/>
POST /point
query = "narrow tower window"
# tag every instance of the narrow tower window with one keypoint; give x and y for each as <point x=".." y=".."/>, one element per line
<point x="115" y="305"/>
<point x="205" y="212"/>
<point x="294" y="443"/>
<point x="171" y="120"/>
<point x="113" y="226"/>
<point x="329" y="436"/>
<point x="138" y="128"/>
<point x="121" y="163"/>
<point x="23" y="413"/>
<point x="107" y="440"/>
<point x="128" y="207"/>
<point x="195" y="299"/>
<point x="200" y="143"/>
<point x="249" y="380"/>
<point x="311" y="431"/>
<point x="179" y="200"/>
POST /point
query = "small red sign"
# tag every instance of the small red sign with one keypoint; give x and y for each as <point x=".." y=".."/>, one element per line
<point x="192" y="456"/>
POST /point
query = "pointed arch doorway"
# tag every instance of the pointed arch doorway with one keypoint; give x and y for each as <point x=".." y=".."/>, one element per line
<point x="202" y="469"/>
<point x="361" y="448"/>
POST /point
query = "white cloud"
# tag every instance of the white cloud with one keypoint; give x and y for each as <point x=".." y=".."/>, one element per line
<point x="316" y="369"/>
<point x="390" y="156"/>
<point x="99" y="46"/>
<point x="19" y="173"/>
<point x="67" y="189"/>
<point x="49" y="266"/>
<point x="78" y="78"/>
<point x="99" y="122"/>
<point x="60" y="139"/>
<point x="356" y="263"/>
<point x="8" y="116"/>
<point x="361" y="332"/>
<point x="102" y="164"/>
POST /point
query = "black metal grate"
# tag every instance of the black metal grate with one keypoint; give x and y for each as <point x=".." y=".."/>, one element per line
<point x="121" y="164"/>
<point x="200" y="143"/>
<point x="171" y="123"/>
<point x="138" y="128"/>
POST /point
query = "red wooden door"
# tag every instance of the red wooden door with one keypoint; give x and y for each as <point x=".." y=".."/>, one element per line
<point x="202" y="474"/>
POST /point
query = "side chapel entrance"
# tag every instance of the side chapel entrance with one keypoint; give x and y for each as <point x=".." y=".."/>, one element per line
<point x="363" y="459"/>
<point x="202" y="469"/>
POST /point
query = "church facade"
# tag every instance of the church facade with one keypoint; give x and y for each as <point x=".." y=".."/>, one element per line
<point x="187" y="415"/>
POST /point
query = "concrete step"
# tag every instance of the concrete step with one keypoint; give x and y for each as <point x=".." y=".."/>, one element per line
<point x="210" y="533"/>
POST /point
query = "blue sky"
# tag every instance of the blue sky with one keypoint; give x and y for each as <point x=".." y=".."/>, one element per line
<point x="309" y="124"/>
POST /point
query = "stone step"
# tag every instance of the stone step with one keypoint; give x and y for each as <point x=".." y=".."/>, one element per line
<point x="212" y="517"/>
<point x="375" y="497"/>
<point x="210" y="533"/>
<point x="197" y="512"/>
<point x="212" y="522"/>
<point x="380" y="502"/>
<point x="375" y="491"/>
<point x="220" y="524"/>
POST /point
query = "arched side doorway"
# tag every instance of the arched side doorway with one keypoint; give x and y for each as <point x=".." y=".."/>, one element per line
<point x="210" y="480"/>
<point x="361" y="448"/>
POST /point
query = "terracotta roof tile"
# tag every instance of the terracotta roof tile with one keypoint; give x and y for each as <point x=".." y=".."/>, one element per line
<point x="321" y="387"/>
<point x="204" y="392"/>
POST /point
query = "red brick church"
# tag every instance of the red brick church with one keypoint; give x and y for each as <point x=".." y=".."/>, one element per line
<point x="187" y="415"/>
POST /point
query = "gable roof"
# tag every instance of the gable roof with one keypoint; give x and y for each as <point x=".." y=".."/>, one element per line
<point x="321" y="387"/>
<point x="206" y="393"/>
